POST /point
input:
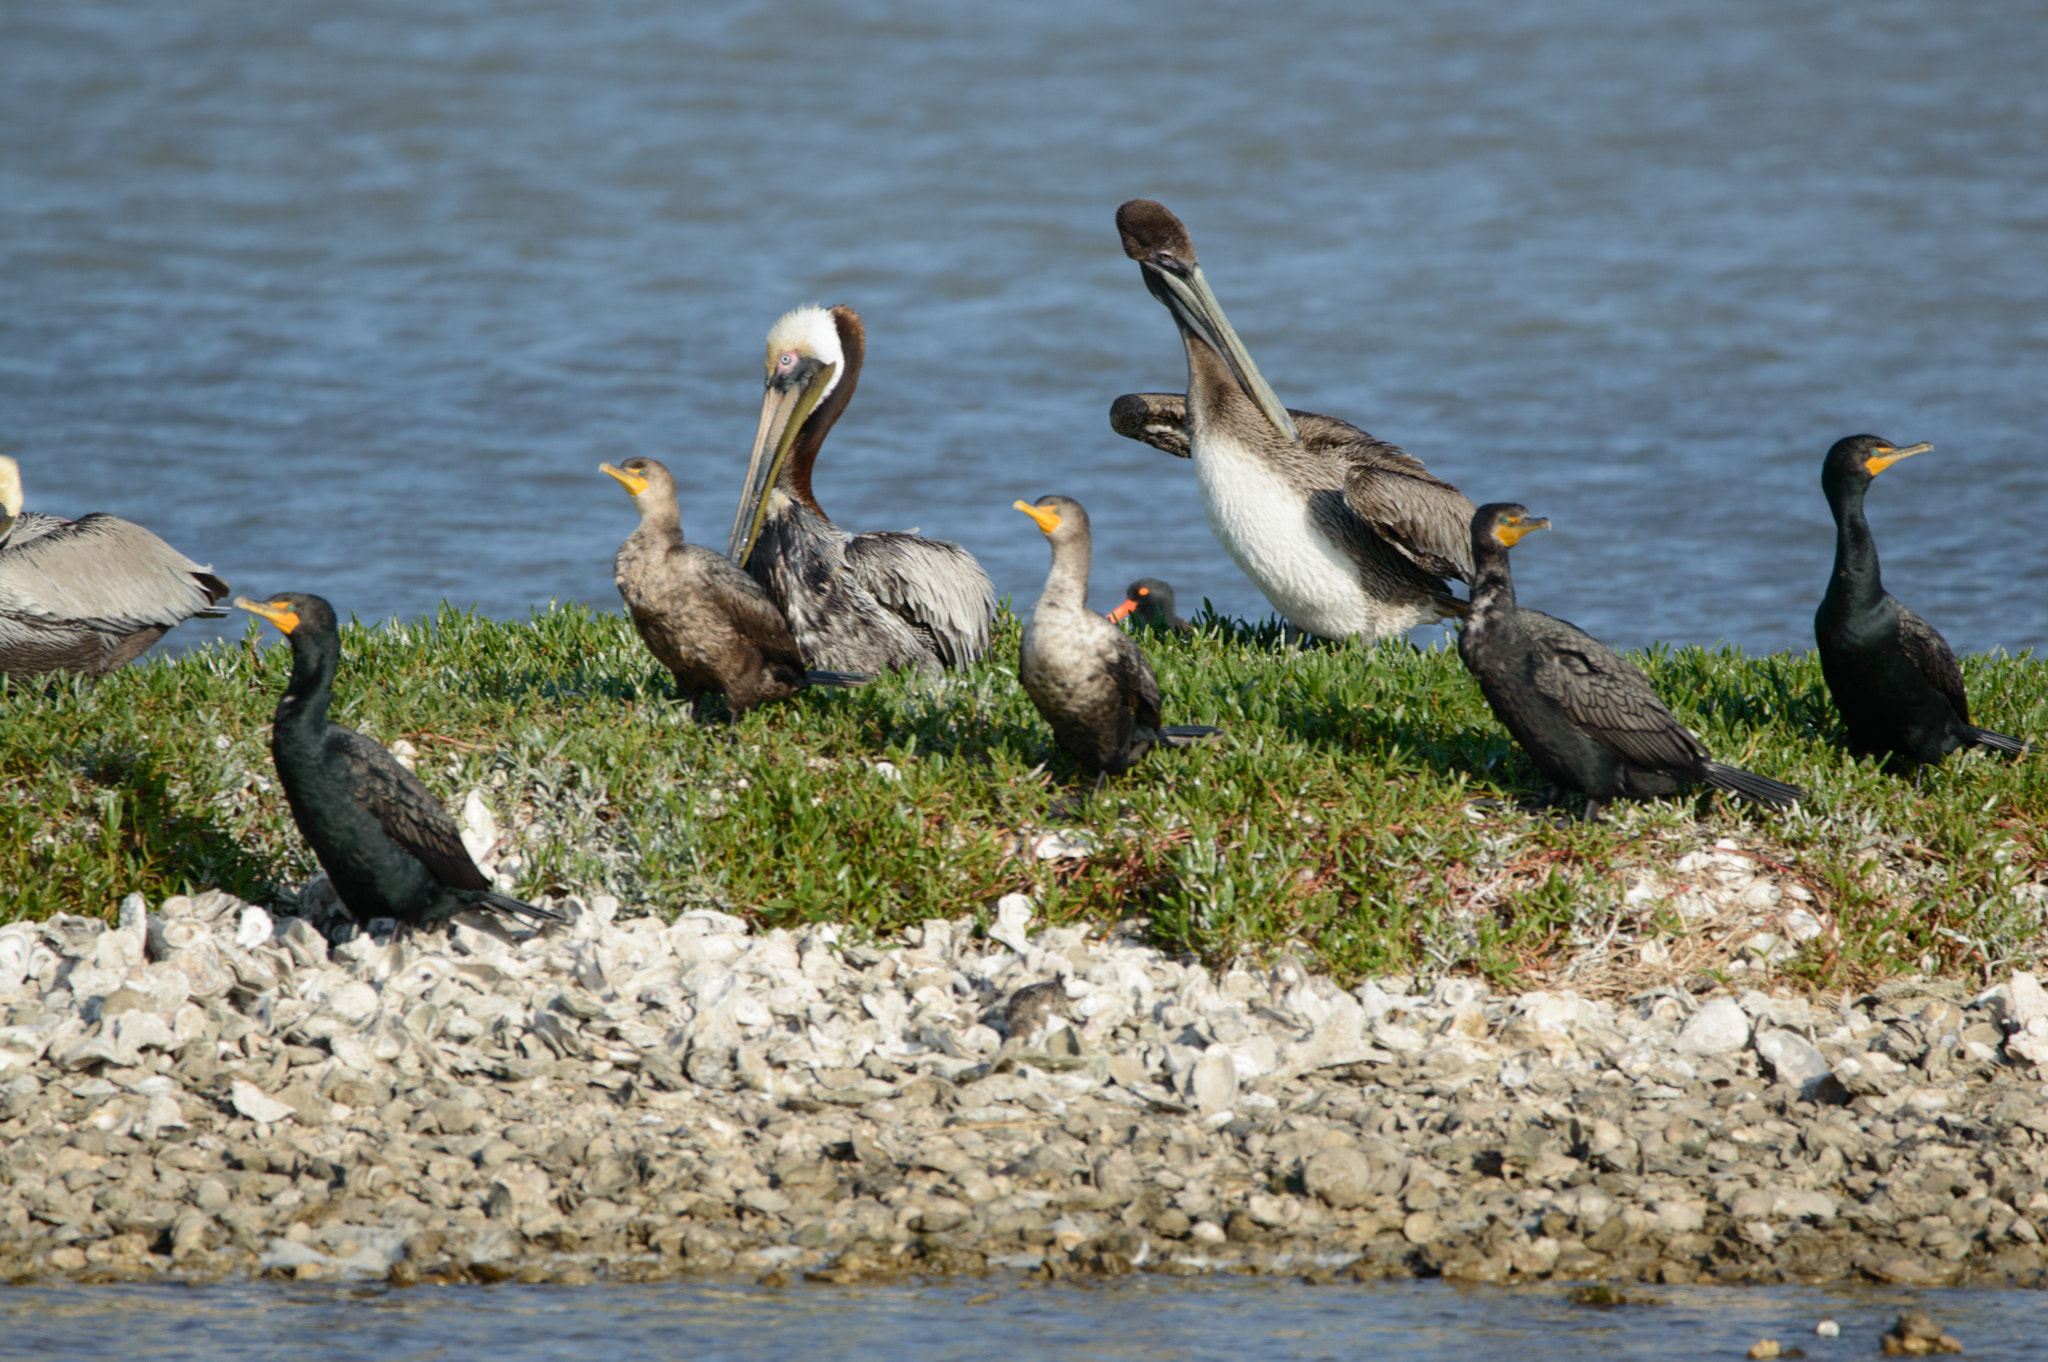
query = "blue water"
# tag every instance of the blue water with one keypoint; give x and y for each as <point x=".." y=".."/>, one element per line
<point x="1147" y="1320"/>
<point x="354" y="298"/>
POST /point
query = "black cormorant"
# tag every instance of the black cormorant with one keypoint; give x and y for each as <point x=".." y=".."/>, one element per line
<point x="1589" y="719"/>
<point x="386" y="843"/>
<point x="1892" y="676"/>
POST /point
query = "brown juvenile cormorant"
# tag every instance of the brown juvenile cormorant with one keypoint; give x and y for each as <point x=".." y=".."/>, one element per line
<point x="710" y="624"/>
<point x="1589" y="719"/>
<point x="1150" y="601"/>
<point x="386" y="843"/>
<point x="1087" y="678"/>
<point x="88" y="595"/>
<point x="1345" y="535"/>
<point x="1893" y="677"/>
<point x="862" y="603"/>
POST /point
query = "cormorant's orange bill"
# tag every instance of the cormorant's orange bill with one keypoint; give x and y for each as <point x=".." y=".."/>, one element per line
<point x="1510" y="532"/>
<point x="1126" y="608"/>
<point x="1887" y="456"/>
<point x="277" y="612"/>
<point x="633" y="484"/>
<point x="1048" y="519"/>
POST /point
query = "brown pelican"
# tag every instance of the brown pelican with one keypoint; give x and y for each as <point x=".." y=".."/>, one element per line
<point x="383" y="839"/>
<point x="87" y="595"/>
<point x="1344" y="534"/>
<point x="710" y="624"/>
<point x="1086" y="676"/>
<point x="857" y="603"/>
<point x="1150" y="601"/>
<point x="1590" y="719"/>
<point x="1893" y="677"/>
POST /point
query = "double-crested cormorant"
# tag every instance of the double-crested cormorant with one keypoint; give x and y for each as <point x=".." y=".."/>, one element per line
<point x="1589" y="719"/>
<point x="1893" y="677"/>
<point x="862" y="603"/>
<point x="1344" y="534"/>
<point x="1150" y="601"/>
<point x="87" y="595"/>
<point x="1088" y="679"/>
<point x="389" y="847"/>
<point x="710" y="624"/>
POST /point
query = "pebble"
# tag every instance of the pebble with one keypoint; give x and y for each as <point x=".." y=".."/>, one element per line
<point x="206" y="1089"/>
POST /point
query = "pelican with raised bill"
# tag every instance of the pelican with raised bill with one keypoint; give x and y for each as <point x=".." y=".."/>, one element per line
<point x="1345" y="535"/>
<point x="88" y="595"/>
<point x="861" y="603"/>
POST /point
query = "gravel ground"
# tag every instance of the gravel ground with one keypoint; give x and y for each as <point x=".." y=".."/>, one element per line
<point x="205" y="1090"/>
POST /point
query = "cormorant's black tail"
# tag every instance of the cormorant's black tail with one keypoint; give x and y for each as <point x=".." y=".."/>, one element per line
<point x="1750" y="785"/>
<point x="1984" y="737"/>
<point x="837" y="678"/>
<point x="1181" y="735"/>
<point x="512" y="907"/>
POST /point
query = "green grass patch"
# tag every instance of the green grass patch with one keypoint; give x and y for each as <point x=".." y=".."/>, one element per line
<point x="1363" y="809"/>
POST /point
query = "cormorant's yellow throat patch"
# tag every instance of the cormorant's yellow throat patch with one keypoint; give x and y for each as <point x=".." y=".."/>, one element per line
<point x="1048" y="519"/>
<point x="633" y="483"/>
<point x="1510" y="532"/>
<point x="1886" y="456"/>
<point x="278" y="613"/>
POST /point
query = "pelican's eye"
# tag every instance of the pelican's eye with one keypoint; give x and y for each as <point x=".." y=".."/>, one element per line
<point x="787" y="361"/>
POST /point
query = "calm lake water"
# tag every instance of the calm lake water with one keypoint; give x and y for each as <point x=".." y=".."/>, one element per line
<point x="1146" y="1320"/>
<point x="353" y="299"/>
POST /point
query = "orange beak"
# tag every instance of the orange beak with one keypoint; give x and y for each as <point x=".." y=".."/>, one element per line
<point x="1126" y="608"/>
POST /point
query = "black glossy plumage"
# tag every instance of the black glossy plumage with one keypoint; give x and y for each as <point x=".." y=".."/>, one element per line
<point x="1894" y="679"/>
<point x="1589" y="719"/>
<point x="386" y="843"/>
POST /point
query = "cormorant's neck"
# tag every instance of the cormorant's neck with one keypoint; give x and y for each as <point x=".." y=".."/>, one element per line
<point x="1066" y="585"/>
<point x="311" y="690"/>
<point x="1493" y="585"/>
<point x="1856" y="574"/>
<point x="660" y="515"/>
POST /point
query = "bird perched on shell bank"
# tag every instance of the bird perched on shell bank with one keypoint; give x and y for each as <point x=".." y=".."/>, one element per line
<point x="1087" y="677"/>
<point x="386" y="843"/>
<point x="1589" y="719"/>
<point x="88" y="595"/>
<point x="1893" y="677"/>
<point x="709" y="623"/>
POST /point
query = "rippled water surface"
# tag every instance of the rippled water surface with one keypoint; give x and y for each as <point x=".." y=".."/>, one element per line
<point x="354" y="298"/>
<point x="1148" y="1321"/>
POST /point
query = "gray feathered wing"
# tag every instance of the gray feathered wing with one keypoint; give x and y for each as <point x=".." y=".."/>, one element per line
<point x="100" y="570"/>
<point x="936" y="587"/>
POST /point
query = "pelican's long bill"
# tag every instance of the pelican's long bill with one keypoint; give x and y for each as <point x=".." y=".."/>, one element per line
<point x="790" y="399"/>
<point x="1187" y="295"/>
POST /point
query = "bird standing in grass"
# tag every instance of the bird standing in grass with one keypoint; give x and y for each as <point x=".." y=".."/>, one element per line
<point x="709" y="623"/>
<point x="1149" y="601"/>
<point x="1087" y="678"/>
<point x="1894" y="678"/>
<point x="88" y="595"/>
<point x="1589" y="719"/>
<point x="386" y="843"/>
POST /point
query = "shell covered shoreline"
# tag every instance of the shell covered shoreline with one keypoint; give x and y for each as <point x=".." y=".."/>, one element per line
<point x="206" y="1089"/>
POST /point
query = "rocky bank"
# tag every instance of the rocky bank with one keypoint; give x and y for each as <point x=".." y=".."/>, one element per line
<point x="203" y="1089"/>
